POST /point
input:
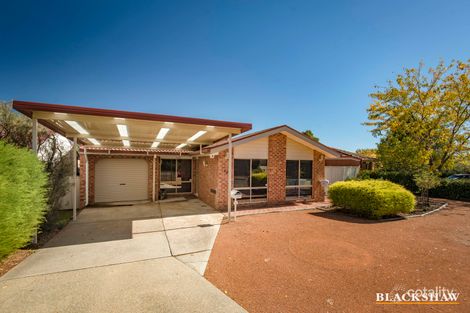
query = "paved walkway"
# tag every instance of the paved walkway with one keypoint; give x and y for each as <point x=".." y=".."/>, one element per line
<point x="140" y="258"/>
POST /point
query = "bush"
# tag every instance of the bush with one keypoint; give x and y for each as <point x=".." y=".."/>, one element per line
<point x="404" y="179"/>
<point x="23" y="197"/>
<point x="456" y="189"/>
<point x="372" y="198"/>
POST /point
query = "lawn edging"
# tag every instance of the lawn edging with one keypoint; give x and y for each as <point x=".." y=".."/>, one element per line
<point x="427" y="213"/>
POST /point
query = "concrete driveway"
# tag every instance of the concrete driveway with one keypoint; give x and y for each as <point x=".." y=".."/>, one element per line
<point x="140" y="258"/>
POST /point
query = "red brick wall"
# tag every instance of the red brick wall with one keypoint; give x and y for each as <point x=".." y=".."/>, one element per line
<point x="222" y="180"/>
<point x="206" y="179"/>
<point x="92" y="159"/>
<point x="82" y="181"/>
<point x="318" y="193"/>
<point x="277" y="168"/>
<point x="212" y="180"/>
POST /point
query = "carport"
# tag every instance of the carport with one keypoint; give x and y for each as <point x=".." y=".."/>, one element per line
<point x="130" y="156"/>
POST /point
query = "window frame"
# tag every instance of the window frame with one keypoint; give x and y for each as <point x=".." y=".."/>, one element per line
<point x="299" y="187"/>
<point x="190" y="181"/>
<point x="250" y="187"/>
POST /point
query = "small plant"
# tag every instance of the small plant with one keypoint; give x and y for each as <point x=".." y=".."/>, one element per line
<point x="425" y="181"/>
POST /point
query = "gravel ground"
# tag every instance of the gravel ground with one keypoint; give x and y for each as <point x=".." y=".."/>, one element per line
<point x="314" y="261"/>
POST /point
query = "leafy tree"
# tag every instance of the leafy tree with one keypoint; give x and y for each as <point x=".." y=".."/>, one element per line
<point x="310" y="134"/>
<point x="423" y="118"/>
<point x="53" y="150"/>
<point x="425" y="181"/>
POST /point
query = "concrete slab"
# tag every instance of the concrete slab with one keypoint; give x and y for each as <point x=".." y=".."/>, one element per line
<point x="68" y="258"/>
<point x="190" y="240"/>
<point x="145" y="226"/>
<point x="160" y="285"/>
<point x="190" y="207"/>
<point x="195" y="220"/>
<point x="81" y="233"/>
<point x="131" y="212"/>
<point x="197" y="261"/>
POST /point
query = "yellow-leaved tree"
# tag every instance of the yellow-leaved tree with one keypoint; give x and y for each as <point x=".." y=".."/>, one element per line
<point x="423" y="118"/>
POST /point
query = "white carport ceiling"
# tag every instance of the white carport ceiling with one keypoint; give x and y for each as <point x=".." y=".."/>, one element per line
<point x="142" y="128"/>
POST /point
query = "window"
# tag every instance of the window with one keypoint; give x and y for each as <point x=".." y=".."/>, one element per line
<point x="251" y="177"/>
<point x="298" y="178"/>
<point x="176" y="173"/>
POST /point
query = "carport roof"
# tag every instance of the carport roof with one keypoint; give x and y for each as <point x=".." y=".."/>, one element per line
<point x="103" y="127"/>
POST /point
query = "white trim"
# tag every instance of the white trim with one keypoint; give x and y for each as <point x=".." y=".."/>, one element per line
<point x="86" y="176"/>
<point x="229" y="176"/>
<point x="153" y="177"/>
<point x="74" y="178"/>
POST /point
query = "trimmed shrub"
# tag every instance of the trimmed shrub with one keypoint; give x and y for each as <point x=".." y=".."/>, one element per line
<point x="404" y="179"/>
<point x="456" y="189"/>
<point x="371" y="198"/>
<point x="22" y="197"/>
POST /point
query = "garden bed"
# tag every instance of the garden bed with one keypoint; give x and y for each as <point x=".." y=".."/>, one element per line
<point x="420" y="210"/>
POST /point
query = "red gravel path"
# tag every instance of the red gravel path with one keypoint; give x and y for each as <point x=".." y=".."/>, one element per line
<point x="312" y="261"/>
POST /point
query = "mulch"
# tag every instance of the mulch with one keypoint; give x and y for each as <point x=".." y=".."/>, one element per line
<point x="13" y="259"/>
<point x="321" y="261"/>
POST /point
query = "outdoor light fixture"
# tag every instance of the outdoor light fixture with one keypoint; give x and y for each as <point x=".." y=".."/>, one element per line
<point x="126" y="143"/>
<point x="180" y="146"/>
<point x="162" y="133"/>
<point x="94" y="141"/>
<point x="197" y="135"/>
<point x="77" y="127"/>
<point x="122" y="130"/>
<point x="155" y="144"/>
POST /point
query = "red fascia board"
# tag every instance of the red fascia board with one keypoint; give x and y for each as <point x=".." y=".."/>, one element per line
<point x="27" y="108"/>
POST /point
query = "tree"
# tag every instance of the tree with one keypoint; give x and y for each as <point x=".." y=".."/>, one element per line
<point x="23" y="188"/>
<point x="310" y="134"/>
<point x="423" y="119"/>
<point x="369" y="153"/>
<point x="53" y="150"/>
<point x="426" y="180"/>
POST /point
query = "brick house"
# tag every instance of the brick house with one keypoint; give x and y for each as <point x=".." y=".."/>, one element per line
<point x="129" y="156"/>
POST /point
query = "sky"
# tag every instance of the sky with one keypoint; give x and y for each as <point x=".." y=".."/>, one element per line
<point x="307" y="64"/>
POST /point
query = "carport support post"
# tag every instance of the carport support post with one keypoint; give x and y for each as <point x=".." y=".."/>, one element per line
<point x="229" y="175"/>
<point x="153" y="178"/>
<point x="74" y="177"/>
<point x="34" y="147"/>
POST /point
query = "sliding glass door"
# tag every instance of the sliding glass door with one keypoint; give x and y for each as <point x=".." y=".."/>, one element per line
<point x="176" y="175"/>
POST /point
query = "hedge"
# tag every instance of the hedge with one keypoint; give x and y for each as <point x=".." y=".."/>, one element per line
<point x="22" y="197"/>
<point x="371" y="198"/>
<point x="457" y="189"/>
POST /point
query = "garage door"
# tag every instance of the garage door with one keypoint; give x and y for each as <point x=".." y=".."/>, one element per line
<point x="121" y="180"/>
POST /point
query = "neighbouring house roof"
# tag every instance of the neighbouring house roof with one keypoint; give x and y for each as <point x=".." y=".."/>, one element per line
<point x="342" y="161"/>
<point x="286" y="130"/>
<point x="353" y="155"/>
<point x="101" y="125"/>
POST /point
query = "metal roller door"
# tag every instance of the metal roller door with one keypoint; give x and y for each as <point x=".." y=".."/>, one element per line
<point x="121" y="180"/>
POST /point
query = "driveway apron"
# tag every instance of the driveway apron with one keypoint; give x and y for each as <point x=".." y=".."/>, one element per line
<point x="145" y="257"/>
